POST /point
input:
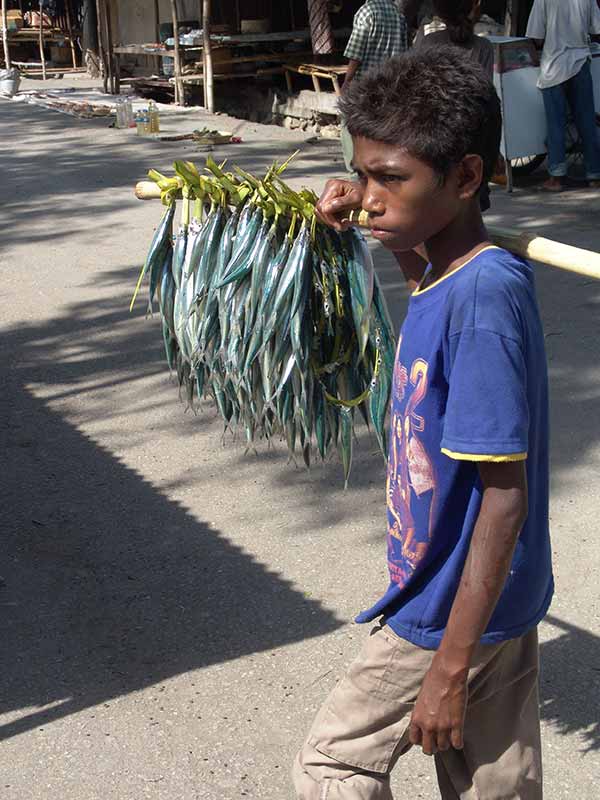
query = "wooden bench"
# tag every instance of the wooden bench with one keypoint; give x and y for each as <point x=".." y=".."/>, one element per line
<point x="316" y="72"/>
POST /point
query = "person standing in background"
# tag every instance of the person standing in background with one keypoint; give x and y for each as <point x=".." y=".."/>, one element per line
<point x="563" y="30"/>
<point x="459" y="18"/>
<point x="379" y="32"/>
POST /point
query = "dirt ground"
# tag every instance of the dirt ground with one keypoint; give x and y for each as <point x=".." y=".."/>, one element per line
<point x="174" y="610"/>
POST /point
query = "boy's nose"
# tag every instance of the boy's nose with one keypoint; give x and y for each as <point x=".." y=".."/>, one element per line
<point x="372" y="204"/>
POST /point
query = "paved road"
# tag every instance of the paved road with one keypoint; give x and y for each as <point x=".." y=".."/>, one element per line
<point x="173" y="610"/>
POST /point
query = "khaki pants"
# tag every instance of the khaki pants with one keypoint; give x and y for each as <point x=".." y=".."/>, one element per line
<point x="362" y="729"/>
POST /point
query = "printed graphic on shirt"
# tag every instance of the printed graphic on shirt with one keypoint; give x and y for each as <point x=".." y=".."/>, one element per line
<point x="411" y="482"/>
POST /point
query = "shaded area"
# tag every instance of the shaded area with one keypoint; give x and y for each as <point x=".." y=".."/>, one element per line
<point x="57" y="185"/>
<point x="108" y="586"/>
<point x="570" y="683"/>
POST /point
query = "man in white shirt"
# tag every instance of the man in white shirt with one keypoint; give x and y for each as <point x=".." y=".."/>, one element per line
<point x="565" y="28"/>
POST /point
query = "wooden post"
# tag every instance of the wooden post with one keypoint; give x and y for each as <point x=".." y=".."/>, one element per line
<point x="109" y="47"/>
<point x="177" y="61"/>
<point x="41" y="41"/>
<point x="69" y="13"/>
<point x="321" y="32"/>
<point x="511" y="19"/>
<point x="101" y="51"/>
<point x="207" y="57"/>
<point x="157" y="20"/>
<point x="5" y="36"/>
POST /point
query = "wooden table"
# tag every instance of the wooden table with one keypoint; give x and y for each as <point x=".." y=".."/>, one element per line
<point x="316" y="72"/>
<point x="50" y="36"/>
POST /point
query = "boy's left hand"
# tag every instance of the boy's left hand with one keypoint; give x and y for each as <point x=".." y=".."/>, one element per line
<point x="439" y="715"/>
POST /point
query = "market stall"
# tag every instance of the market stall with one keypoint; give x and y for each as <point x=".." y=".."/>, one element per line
<point x="235" y="56"/>
<point x="516" y="72"/>
<point x="43" y="33"/>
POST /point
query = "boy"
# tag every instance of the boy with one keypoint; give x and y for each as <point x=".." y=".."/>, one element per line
<point x="452" y="665"/>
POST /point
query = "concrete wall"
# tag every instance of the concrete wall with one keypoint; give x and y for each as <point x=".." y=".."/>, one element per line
<point x="137" y="21"/>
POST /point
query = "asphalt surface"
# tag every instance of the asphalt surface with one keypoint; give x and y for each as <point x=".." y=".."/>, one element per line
<point x="174" y="610"/>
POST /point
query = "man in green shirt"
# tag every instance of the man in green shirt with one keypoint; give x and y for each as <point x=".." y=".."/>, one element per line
<point x="379" y="32"/>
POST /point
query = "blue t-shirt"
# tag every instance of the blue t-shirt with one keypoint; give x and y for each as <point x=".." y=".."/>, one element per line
<point x="470" y="384"/>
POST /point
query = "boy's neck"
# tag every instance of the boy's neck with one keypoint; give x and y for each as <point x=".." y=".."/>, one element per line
<point x="463" y="238"/>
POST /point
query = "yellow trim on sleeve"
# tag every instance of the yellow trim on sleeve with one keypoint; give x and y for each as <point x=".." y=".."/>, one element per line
<point x="484" y="457"/>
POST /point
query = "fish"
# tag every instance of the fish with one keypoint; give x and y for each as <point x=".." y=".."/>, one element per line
<point x="278" y="321"/>
<point x="160" y="241"/>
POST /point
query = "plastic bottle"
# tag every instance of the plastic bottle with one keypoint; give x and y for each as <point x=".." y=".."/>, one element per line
<point x="121" y="120"/>
<point x="154" y="117"/>
<point x="129" y="123"/>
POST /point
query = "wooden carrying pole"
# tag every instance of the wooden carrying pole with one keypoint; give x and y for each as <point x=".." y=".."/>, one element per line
<point x="209" y="94"/>
<point x="7" y="61"/>
<point x="176" y="55"/>
<point x="526" y="245"/>
<point x="41" y="40"/>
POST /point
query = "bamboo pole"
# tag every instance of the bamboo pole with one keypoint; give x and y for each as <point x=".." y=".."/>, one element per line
<point x="556" y="254"/>
<point x="177" y="58"/>
<point x="522" y="243"/>
<point x="207" y="57"/>
<point x="41" y="40"/>
<point x="5" y="36"/>
<point x="69" y="13"/>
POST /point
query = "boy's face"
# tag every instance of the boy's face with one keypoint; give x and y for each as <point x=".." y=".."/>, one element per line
<point x="407" y="202"/>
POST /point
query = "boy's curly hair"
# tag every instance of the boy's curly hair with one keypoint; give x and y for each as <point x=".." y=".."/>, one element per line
<point x="437" y="104"/>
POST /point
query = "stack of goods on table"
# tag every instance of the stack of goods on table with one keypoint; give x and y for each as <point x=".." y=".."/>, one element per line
<point x="278" y="319"/>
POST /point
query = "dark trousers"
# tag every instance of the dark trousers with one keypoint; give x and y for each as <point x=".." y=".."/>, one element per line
<point x="578" y="94"/>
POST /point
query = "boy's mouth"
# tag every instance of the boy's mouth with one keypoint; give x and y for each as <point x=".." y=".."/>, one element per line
<point x="382" y="234"/>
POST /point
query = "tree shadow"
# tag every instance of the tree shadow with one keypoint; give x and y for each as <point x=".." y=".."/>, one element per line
<point x="108" y="585"/>
<point x="570" y="682"/>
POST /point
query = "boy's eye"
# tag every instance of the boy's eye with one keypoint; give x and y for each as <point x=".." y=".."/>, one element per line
<point x="391" y="178"/>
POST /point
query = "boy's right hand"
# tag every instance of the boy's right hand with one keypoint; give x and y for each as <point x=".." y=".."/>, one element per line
<point x="338" y="197"/>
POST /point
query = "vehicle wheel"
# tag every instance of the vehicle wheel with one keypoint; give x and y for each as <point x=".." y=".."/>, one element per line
<point x="527" y="164"/>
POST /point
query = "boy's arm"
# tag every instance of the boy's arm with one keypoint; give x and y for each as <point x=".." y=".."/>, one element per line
<point x="439" y="713"/>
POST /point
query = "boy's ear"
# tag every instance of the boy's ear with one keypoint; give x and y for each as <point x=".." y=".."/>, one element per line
<point x="470" y="176"/>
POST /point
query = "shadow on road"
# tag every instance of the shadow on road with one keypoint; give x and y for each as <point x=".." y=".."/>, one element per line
<point x="109" y="586"/>
<point x="570" y="683"/>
